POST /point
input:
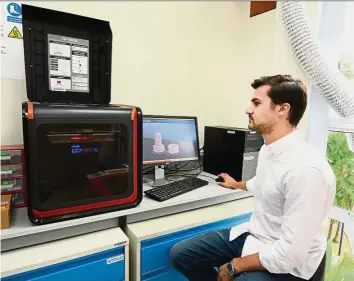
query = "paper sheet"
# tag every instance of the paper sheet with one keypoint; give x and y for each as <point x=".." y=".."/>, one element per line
<point x="11" y="35"/>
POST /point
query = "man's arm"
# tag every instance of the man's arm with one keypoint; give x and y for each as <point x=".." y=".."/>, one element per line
<point x="248" y="263"/>
<point x="230" y="182"/>
<point x="305" y="200"/>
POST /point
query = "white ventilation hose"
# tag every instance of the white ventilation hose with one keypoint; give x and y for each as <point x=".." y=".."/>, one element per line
<point x="328" y="80"/>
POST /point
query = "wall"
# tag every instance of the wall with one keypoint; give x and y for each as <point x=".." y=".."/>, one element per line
<point x="184" y="58"/>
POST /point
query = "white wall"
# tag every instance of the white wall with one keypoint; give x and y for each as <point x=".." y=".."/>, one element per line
<point x="183" y="58"/>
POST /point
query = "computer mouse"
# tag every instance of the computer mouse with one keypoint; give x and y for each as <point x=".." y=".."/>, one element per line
<point x="219" y="179"/>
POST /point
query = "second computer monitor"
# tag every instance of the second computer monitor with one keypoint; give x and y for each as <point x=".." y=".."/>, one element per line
<point x="168" y="139"/>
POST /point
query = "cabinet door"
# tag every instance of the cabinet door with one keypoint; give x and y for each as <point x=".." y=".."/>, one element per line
<point x="107" y="265"/>
<point x="158" y="268"/>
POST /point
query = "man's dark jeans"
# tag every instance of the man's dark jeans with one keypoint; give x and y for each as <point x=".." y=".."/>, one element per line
<point x="197" y="257"/>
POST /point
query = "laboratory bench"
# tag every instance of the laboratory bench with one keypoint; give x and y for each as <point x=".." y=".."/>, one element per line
<point x="149" y="229"/>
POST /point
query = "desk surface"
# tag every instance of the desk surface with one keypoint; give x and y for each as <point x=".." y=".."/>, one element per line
<point x="23" y="232"/>
<point x="160" y="226"/>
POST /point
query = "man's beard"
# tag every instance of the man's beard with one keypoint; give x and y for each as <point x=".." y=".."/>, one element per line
<point x="264" y="128"/>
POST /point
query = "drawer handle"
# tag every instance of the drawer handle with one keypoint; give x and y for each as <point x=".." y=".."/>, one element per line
<point x="155" y="272"/>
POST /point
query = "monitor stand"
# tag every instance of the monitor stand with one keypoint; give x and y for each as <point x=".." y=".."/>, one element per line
<point x="159" y="178"/>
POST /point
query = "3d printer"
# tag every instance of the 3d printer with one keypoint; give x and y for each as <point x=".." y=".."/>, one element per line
<point x="83" y="155"/>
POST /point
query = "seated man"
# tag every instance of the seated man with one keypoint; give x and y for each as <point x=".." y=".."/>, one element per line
<point x="293" y="190"/>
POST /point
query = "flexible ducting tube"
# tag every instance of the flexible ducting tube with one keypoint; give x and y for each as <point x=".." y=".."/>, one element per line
<point x="311" y="60"/>
<point x="329" y="81"/>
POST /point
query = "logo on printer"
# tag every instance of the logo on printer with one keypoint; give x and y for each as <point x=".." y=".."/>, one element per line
<point x="115" y="259"/>
<point x="73" y="40"/>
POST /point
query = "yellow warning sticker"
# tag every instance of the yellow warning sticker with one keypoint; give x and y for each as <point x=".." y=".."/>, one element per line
<point x="15" y="33"/>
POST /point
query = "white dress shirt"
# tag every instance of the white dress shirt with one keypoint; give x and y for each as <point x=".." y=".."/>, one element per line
<point x="294" y="190"/>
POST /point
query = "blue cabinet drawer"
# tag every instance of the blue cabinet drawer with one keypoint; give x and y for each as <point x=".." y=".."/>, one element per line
<point x="107" y="265"/>
<point x="155" y="251"/>
<point x="165" y="274"/>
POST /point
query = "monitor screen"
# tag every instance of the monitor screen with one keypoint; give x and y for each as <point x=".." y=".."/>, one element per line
<point x="169" y="139"/>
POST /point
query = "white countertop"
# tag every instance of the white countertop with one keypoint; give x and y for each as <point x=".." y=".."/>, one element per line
<point x="160" y="226"/>
<point x="207" y="195"/>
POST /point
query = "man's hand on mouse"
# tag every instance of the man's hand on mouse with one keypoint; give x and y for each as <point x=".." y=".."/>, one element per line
<point x="229" y="182"/>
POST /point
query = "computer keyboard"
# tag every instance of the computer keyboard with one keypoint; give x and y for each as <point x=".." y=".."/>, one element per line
<point x="173" y="189"/>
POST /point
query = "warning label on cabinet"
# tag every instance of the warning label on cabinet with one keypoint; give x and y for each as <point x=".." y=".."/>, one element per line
<point x="68" y="64"/>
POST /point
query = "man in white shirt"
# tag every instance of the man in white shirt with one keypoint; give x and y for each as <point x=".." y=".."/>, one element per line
<point x="294" y="189"/>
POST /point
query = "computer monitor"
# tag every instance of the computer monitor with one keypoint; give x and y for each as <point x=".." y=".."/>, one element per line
<point x="169" y="139"/>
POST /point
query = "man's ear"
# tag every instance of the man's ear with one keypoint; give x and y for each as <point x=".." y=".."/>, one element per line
<point x="284" y="109"/>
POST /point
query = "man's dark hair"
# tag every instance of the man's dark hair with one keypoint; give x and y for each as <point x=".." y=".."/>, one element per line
<point x="285" y="89"/>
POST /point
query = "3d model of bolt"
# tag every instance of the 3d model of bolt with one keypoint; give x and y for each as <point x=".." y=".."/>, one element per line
<point x="158" y="146"/>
